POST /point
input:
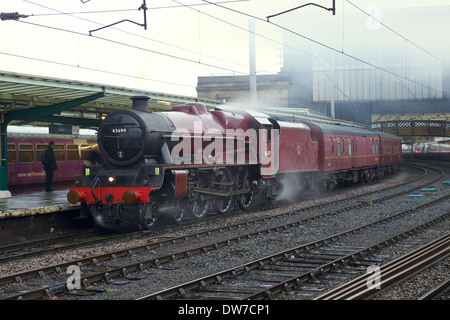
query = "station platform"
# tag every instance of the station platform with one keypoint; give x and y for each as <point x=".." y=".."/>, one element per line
<point x="31" y="202"/>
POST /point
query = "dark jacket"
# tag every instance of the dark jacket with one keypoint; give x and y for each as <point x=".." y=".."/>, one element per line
<point x="50" y="160"/>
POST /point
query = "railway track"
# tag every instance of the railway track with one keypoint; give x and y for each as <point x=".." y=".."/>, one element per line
<point x="393" y="272"/>
<point x="270" y="276"/>
<point x="437" y="291"/>
<point x="151" y="263"/>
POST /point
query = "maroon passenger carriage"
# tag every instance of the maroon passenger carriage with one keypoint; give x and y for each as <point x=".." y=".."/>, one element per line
<point x="191" y="162"/>
<point x="354" y="154"/>
<point x="24" y="148"/>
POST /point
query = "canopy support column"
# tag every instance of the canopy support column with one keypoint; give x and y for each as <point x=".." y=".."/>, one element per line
<point x="4" y="193"/>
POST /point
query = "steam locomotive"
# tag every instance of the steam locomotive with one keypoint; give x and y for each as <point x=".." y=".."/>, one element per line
<point x="191" y="162"/>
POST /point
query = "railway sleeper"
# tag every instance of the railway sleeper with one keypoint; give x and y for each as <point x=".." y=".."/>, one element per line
<point x="110" y="280"/>
<point x="315" y="275"/>
<point x="309" y="262"/>
<point x="236" y="289"/>
<point x="51" y="292"/>
<point x="313" y="259"/>
<point x="132" y="277"/>
<point x="267" y="276"/>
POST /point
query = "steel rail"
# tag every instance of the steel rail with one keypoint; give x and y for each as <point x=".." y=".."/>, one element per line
<point x="391" y="273"/>
<point x="438" y="290"/>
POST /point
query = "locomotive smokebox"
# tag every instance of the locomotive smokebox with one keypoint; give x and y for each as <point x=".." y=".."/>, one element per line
<point x="140" y="103"/>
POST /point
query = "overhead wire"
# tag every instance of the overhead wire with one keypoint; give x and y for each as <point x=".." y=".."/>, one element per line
<point x="132" y="46"/>
<point x="118" y="43"/>
<point x="323" y="45"/>
<point x="397" y="33"/>
<point x="227" y="69"/>
<point x="91" y="69"/>
<point x="126" y="10"/>
<point x="127" y="32"/>
<point x="256" y="34"/>
<point x="144" y="37"/>
<point x="82" y="12"/>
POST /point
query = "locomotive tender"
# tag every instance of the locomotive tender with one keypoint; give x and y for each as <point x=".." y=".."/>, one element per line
<point x="190" y="162"/>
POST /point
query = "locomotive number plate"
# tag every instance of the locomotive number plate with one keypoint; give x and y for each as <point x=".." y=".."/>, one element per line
<point x="119" y="130"/>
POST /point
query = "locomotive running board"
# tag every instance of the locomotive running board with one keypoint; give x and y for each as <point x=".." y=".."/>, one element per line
<point x="219" y="193"/>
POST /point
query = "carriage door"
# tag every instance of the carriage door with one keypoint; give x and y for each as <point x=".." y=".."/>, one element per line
<point x="352" y="151"/>
<point x="268" y="149"/>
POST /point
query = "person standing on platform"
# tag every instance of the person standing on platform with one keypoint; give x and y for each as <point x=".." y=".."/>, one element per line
<point x="49" y="161"/>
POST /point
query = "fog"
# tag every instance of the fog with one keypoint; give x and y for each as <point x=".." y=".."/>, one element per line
<point x="404" y="34"/>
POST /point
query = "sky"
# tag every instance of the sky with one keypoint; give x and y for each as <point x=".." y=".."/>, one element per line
<point x="186" y="39"/>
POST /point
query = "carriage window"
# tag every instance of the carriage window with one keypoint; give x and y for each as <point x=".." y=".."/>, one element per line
<point x="332" y="145"/>
<point x="58" y="150"/>
<point x="39" y="149"/>
<point x="445" y="148"/>
<point x="86" y="150"/>
<point x="434" y="148"/>
<point x="72" y="152"/>
<point x="339" y="146"/>
<point x="373" y="146"/>
<point x="349" y="147"/>
<point x="26" y="152"/>
<point x="11" y="152"/>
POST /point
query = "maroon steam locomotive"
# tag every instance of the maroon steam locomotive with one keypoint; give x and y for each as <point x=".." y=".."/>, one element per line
<point x="190" y="162"/>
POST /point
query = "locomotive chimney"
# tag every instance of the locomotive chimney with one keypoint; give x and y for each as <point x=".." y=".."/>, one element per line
<point x="140" y="103"/>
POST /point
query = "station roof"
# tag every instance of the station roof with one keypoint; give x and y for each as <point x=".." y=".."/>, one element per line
<point x="19" y="92"/>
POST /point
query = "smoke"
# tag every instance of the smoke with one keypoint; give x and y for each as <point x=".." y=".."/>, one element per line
<point x="290" y="190"/>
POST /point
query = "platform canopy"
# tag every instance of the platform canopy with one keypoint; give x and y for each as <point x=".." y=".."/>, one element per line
<point x="79" y="100"/>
